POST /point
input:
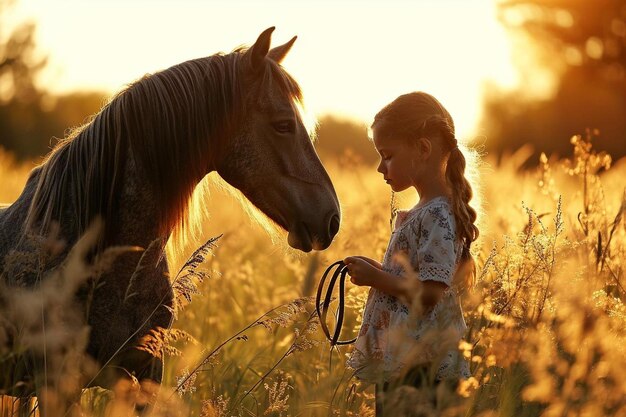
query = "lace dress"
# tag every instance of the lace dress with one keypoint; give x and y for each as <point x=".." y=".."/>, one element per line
<point x="392" y="337"/>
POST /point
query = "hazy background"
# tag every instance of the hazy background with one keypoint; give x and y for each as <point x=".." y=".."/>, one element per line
<point x="511" y="73"/>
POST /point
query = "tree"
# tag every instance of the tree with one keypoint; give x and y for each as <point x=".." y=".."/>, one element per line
<point x="582" y="44"/>
<point x="19" y="63"/>
<point x="31" y="117"/>
<point x="19" y="96"/>
<point x="581" y="33"/>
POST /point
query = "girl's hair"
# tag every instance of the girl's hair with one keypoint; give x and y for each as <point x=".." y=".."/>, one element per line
<point x="418" y="114"/>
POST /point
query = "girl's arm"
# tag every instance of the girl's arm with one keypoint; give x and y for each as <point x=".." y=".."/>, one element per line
<point x="363" y="272"/>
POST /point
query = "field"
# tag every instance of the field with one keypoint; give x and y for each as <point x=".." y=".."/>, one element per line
<point x="547" y="323"/>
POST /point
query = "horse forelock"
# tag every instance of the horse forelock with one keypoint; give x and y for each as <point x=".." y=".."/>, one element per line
<point x="276" y="75"/>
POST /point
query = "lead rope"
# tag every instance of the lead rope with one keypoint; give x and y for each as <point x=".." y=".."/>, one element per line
<point x="322" y="307"/>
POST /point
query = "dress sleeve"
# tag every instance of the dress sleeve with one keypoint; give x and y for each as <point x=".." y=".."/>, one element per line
<point x="435" y="252"/>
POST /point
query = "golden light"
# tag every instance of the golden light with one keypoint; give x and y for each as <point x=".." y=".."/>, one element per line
<point x="351" y="57"/>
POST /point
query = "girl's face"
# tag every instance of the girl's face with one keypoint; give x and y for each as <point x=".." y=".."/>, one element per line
<point x="399" y="161"/>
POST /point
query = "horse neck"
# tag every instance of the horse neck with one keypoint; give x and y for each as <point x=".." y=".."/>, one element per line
<point x="138" y="161"/>
<point x="136" y="217"/>
<point x="176" y="121"/>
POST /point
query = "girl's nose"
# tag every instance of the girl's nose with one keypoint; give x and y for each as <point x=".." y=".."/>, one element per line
<point x="380" y="167"/>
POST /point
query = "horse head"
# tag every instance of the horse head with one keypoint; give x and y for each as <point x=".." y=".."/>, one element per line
<point x="270" y="156"/>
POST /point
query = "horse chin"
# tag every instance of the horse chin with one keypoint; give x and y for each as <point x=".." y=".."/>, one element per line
<point x="300" y="238"/>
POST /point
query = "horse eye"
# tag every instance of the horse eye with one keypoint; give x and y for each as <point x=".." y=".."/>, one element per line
<point x="284" y="126"/>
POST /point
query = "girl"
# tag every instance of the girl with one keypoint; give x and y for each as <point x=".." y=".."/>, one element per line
<point x="411" y="326"/>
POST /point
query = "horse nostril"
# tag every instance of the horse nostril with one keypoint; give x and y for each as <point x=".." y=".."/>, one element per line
<point x="333" y="227"/>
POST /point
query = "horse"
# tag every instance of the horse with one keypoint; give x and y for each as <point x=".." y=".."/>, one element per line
<point x="135" y="165"/>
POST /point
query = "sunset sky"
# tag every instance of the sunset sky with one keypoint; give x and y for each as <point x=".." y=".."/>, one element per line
<point x="351" y="57"/>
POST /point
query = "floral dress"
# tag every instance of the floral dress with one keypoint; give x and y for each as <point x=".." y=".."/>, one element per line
<point x="392" y="336"/>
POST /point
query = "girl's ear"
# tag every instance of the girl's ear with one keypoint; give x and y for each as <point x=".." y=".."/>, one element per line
<point x="424" y="147"/>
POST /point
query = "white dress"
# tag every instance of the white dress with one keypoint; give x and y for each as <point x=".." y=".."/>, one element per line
<point x="392" y="337"/>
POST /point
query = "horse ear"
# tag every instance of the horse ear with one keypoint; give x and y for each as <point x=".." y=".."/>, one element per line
<point x="278" y="54"/>
<point x="259" y="50"/>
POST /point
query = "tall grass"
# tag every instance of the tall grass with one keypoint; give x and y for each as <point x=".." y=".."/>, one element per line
<point x="547" y="323"/>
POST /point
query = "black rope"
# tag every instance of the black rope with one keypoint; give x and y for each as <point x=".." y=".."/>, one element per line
<point x="341" y="272"/>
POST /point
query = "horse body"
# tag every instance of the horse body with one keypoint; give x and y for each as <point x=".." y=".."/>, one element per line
<point x="135" y="166"/>
<point x="118" y="314"/>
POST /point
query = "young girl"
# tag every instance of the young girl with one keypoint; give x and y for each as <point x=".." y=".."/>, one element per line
<point x="412" y="326"/>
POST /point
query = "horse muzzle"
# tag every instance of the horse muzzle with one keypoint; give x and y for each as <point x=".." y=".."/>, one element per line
<point x="307" y="236"/>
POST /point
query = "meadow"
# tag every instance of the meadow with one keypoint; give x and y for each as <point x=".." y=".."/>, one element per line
<point x="547" y="323"/>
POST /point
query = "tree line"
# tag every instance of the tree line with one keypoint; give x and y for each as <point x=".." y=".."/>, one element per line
<point x="580" y="45"/>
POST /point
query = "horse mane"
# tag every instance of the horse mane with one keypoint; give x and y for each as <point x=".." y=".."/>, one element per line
<point x="167" y="125"/>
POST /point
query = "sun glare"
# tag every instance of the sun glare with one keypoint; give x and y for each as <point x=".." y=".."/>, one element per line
<point x="350" y="57"/>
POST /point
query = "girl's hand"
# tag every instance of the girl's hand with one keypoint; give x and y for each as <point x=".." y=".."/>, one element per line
<point x="365" y="271"/>
<point x="362" y="270"/>
<point x="369" y="261"/>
